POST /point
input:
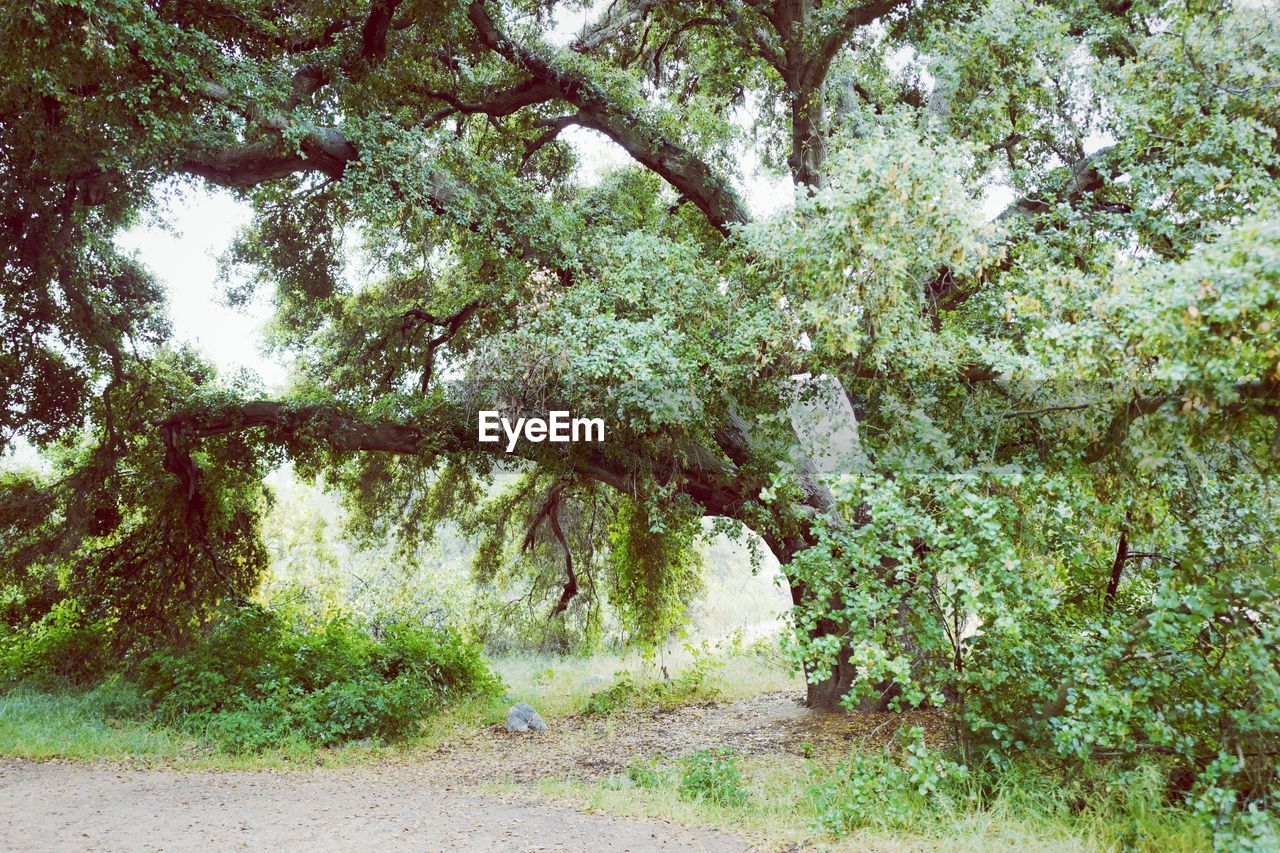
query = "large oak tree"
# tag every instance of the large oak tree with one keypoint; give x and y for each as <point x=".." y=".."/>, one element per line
<point x="1137" y="141"/>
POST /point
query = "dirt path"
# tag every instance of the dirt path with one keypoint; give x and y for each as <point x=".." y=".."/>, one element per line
<point x="417" y="800"/>
<point x="592" y="747"/>
<point x="54" y="806"/>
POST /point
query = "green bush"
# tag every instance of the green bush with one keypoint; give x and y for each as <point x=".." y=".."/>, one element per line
<point x="253" y="682"/>
<point x="62" y="646"/>
<point x="712" y="775"/>
<point x="880" y="789"/>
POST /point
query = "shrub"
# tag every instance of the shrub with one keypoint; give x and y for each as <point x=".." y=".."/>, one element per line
<point x="253" y="682"/>
<point x="62" y="646"/>
<point x="880" y="789"/>
<point x="712" y="775"/>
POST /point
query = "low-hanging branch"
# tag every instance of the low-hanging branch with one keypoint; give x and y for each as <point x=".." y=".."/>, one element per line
<point x="714" y="483"/>
<point x="550" y="512"/>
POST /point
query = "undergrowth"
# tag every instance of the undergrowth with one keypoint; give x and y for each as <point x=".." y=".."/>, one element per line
<point x="909" y="796"/>
<point x="259" y="680"/>
<point x="696" y="684"/>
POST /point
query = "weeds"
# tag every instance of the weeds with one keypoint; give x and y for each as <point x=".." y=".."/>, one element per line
<point x="712" y="775"/>
<point x="650" y="773"/>
<point x="880" y="789"/>
<point x="695" y="684"/>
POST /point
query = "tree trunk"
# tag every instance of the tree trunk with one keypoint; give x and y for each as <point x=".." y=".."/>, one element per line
<point x="825" y="693"/>
<point x="808" y="137"/>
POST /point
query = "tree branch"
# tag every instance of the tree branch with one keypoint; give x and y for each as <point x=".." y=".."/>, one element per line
<point x="373" y="37"/>
<point x="550" y="510"/>
<point x="242" y="167"/>
<point x="451" y="326"/>
<point x="688" y="174"/>
<point x="553" y="128"/>
<point x="1139" y="407"/>
<point x="611" y="24"/>
<point x="1087" y="175"/>
<point x="945" y="292"/>
<point x="1117" y="565"/>
<point x="854" y="19"/>
<point x="571" y="582"/>
<point x="1119" y="427"/>
<point x="766" y="44"/>
<point x="715" y="484"/>
<point x="502" y="103"/>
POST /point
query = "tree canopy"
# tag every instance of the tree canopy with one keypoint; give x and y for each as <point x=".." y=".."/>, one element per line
<point x="1058" y="513"/>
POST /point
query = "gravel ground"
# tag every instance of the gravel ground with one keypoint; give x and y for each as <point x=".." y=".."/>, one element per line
<point x="59" y="806"/>
<point x="421" y="800"/>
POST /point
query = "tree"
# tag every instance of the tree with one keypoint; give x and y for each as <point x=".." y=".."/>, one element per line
<point x="1141" y="253"/>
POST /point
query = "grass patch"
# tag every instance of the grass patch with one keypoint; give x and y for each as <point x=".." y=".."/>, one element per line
<point x="564" y="686"/>
<point x="110" y="723"/>
<point x="1028" y="810"/>
<point x="103" y="723"/>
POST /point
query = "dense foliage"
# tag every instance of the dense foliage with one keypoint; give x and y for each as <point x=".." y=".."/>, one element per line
<point x="1051" y="509"/>
<point x="255" y="682"/>
<point x="259" y="679"/>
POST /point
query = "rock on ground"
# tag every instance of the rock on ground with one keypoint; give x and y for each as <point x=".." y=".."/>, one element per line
<point x="522" y="717"/>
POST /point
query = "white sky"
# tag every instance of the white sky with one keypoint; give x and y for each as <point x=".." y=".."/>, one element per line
<point x="180" y="243"/>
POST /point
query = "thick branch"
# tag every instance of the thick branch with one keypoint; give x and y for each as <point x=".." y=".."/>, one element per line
<point x="553" y="128"/>
<point x="373" y="37"/>
<point x="1139" y="407"/>
<point x="688" y="174"/>
<point x="502" y="103"/>
<point x="712" y="482"/>
<point x="854" y="19"/>
<point x="1118" y="430"/>
<point x="550" y="510"/>
<point x="1087" y="175"/>
<point x="945" y="292"/>
<point x="757" y="37"/>
<point x="306" y="81"/>
<point x="323" y="149"/>
<point x="571" y="578"/>
<point x="341" y="431"/>
<point x="242" y="167"/>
